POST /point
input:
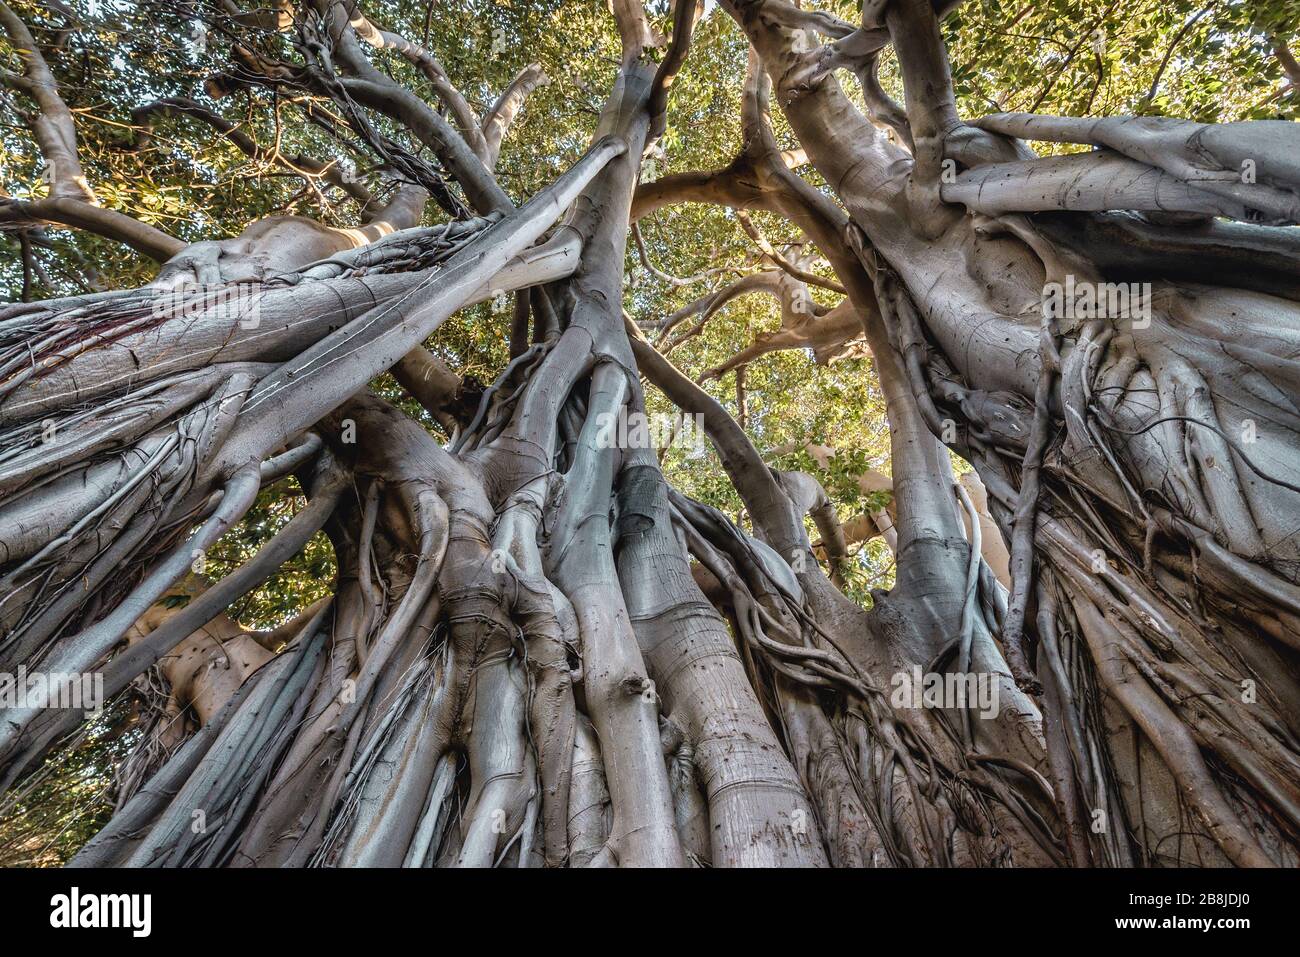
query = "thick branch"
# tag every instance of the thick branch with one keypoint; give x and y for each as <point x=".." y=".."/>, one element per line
<point x="506" y="108"/>
<point x="54" y="127"/>
<point x="109" y="223"/>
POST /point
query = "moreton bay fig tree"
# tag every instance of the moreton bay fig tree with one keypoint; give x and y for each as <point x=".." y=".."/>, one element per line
<point x="670" y="433"/>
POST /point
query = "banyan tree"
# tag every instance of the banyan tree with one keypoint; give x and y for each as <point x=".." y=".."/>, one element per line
<point x="530" y="640"/>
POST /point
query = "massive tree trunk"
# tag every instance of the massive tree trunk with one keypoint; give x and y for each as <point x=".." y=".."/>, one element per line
<point x="1137" y="459"/>
<point x="536" y="651"/>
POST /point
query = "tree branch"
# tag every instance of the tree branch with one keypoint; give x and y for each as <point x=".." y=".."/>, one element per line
<point x="109" y="223"/>
<point x="686" y="13"/>
<point x="54" y="127"/>
<point x="506" y="108"/>
<point x="433" y="70"/>
<point x="142" y="118"/>
<point x="771" y="253"/>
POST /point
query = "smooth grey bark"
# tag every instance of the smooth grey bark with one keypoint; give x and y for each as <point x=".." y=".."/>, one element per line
<point x="1146" y="471"/>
